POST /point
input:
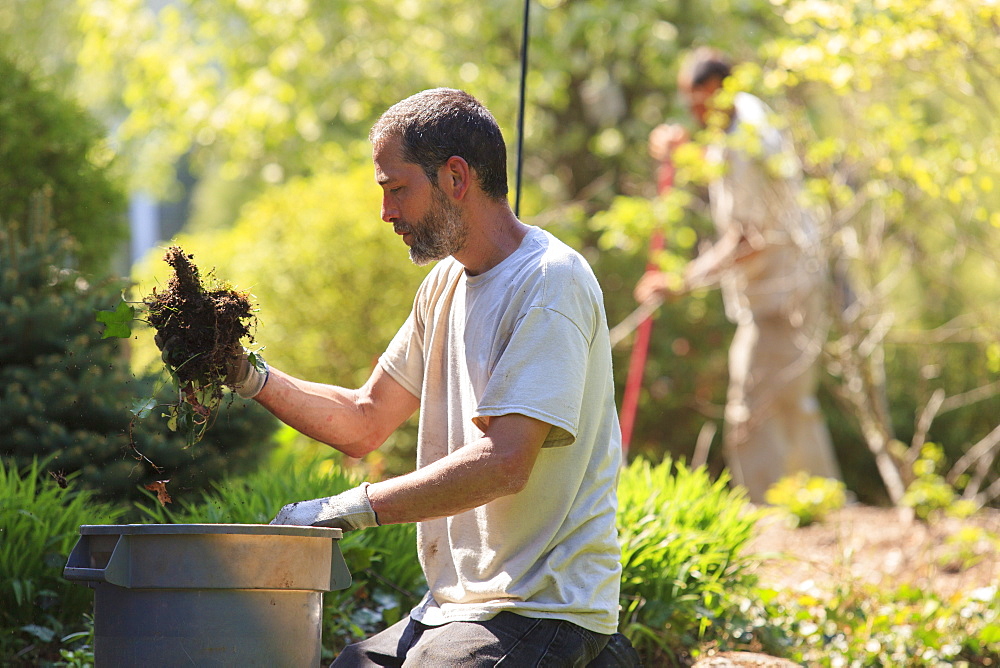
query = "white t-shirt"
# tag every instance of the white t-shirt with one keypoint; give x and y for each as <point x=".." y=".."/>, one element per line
<point x="529" y="336"/>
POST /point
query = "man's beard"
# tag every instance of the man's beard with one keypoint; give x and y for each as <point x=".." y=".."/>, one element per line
<point x="440" y="233"/>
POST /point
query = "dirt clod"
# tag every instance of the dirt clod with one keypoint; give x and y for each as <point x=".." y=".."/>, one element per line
<point x="200" y="325"/>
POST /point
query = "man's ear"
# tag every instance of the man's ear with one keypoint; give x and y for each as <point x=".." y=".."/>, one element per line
<point x="455" y="177"/>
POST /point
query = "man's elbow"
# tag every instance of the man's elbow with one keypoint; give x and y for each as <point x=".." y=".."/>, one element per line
<point x="514" y="474"/>
<point x="369" y="441"/>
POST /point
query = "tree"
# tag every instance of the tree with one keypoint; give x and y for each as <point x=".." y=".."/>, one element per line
<point x="260" y="90"/>
<point x="48" y="144"/>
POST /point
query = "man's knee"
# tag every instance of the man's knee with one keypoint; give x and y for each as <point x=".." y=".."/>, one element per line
<point x="618" y="653"/>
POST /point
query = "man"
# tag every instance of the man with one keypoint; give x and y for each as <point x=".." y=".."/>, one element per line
<point x="506" y="354"/>
<point x="766" y="260"/>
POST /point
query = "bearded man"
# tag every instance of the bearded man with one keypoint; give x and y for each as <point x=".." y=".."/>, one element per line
<point x="506" y="354"/>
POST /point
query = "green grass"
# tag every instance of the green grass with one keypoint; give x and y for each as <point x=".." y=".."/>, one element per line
<point x="39" y="525"/>
<point x="682" y="538"/>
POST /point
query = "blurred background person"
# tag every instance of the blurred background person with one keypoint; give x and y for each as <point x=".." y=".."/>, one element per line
<point x="767" y="261"/>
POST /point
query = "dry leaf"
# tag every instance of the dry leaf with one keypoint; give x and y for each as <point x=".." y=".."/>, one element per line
<point x="160" y="487"/>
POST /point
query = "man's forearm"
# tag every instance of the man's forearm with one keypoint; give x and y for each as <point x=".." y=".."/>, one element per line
<point x="474" y="475"/>
<point x="342" y="418"/>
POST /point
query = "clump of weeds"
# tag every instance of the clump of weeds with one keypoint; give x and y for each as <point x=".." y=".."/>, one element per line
<point x="200" y="325"/>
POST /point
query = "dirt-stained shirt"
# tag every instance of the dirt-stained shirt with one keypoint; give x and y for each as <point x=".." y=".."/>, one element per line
<point x="529" y="336"/>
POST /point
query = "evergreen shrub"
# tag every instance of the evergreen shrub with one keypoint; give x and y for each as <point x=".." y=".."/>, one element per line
<point x="66" y="393"/>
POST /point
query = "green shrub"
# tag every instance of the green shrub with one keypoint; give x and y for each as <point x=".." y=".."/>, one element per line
<point x="806" y="498"/>
<point x="66" y="392"/>
<point x="929" y="493"/>
<point x="383" y="561"/>
<point x="49" y="144"/>
<point x="683" y="538"/>
<point x="864" y="625"/>
<point x="39" y="525"/>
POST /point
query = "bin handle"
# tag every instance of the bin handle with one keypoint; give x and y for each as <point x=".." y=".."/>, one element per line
<point x="340" y="575"/>
<point x="115" y="571"/>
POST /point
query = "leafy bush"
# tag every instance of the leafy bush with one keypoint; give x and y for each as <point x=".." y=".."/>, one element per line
<point x="383" y="561"/>
<point x="39" y="525"/>
<point x="682" y="538"/>
<point x="863" y="625"/>
<point x="929" y="493"/>
<point x="51" y="145"/>
<point x="806" y="498"/>
<point x="67" y="393"/>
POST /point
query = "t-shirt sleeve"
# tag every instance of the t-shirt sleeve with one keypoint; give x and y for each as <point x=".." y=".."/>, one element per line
<point x="404" y="359"/>
<point x="541" y="374"/>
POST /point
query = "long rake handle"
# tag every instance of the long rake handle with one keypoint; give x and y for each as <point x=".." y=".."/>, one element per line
<point x="640" y="349"/>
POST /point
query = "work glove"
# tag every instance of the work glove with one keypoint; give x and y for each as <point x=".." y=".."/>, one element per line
<point x="349" y="511"/>
<point x="245" y="376"/>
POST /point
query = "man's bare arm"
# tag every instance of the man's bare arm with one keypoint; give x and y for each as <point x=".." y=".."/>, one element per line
<point x="497" y="465"/>
<point x="352" y="421"/>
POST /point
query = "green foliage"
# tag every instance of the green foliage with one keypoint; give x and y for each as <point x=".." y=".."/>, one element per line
<point x="52" y="146"/>
<point x="256" y="92"/>
<point x="867" y="626"/>
<point x="39" y="525"/>
<point x="806" y="498"/>
<point x="907" y="182"/>
<point x="682" y="538"/>
<point x="66" y="393"/>
<point x="117" y="321"/>
<point x="383" y="561"/>
<point x="929" y="493"/>
<point x="42" y="35"/>
<point x="967" y="547"/>
<point x="80" y="653"/>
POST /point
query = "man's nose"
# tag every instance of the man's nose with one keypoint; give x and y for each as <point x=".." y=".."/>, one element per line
<point x="389" y="212"/>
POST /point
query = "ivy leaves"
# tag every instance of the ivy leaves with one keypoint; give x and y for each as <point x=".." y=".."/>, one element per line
<point x="118" y="321"/>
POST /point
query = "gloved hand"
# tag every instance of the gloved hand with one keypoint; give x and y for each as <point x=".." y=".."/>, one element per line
<point x="247" y="376"/>
<point x="244" y="375"/>
<point x="349" y="511"/>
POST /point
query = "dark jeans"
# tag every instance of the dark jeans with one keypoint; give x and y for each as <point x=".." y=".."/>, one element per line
<point x="507" y="640"/>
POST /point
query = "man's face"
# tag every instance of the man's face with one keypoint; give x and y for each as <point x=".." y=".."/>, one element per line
<point x="699" y="99"/>
<point x="430" y="224"/>
<point x="439" y="233"/>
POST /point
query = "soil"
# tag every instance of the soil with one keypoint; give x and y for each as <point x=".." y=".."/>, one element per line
<point x="884" y="547"/>
<point x="201" y="326"/>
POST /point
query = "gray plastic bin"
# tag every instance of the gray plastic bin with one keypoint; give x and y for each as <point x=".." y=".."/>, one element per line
<point x="207" y="594"/>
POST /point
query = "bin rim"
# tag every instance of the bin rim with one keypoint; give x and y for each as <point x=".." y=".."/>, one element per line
<point x="209" y="529"/>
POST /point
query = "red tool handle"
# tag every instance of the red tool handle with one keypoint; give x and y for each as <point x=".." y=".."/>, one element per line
<point x="640" y="349"/>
